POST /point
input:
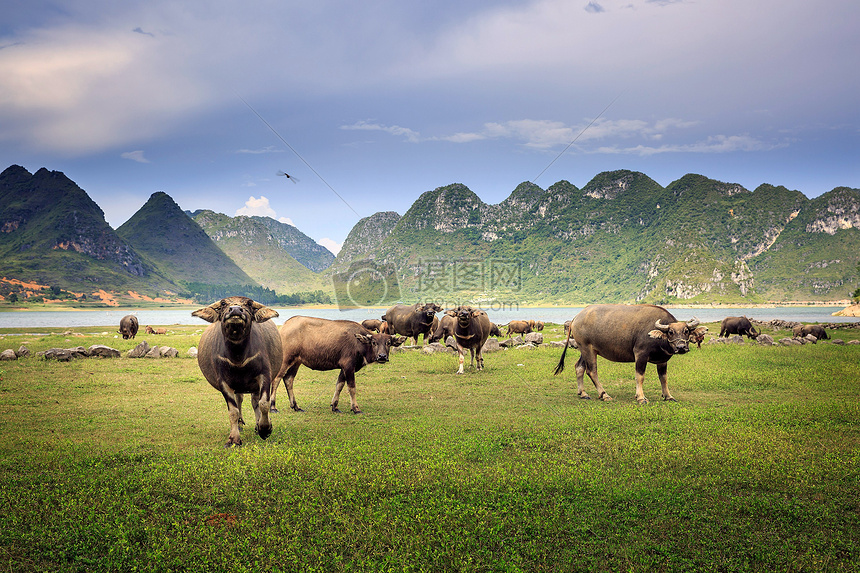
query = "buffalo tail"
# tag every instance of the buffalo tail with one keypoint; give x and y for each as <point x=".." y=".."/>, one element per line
<point x="560" y="367"/>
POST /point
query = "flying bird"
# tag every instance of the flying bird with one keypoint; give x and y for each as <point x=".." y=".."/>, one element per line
<point x="288" y="176"/>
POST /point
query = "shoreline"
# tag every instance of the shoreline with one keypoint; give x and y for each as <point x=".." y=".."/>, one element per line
<point x="841" y="304"/>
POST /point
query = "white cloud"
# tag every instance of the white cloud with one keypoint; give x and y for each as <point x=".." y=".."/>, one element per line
<point x="135" y="156"/>
<point x="286" y="220"/>
<point x="267" y="149"/>
<point x="331" y="245"/>
<point x="410" y="135"/>
<point x="713" y="144"/>
<point x="259" y="207"/>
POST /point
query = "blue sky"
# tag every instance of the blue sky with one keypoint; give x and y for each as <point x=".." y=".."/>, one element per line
<point x="380" y="101"/>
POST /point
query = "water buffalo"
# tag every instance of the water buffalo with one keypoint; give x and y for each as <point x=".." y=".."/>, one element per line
<point x="372" y="324"/>
<point x="322" y="344"/>
<point x="239" y="353"/>
<point x="412" y="321"/>
<point x="150" y="330"/>
<point x="471" y="332"/>
<point x="494" y="330"/>
<point x="444" y="329"/>
<point x="815" y="330"/>
<point x="518" y="327"/>
<point x="740" y="325"/>
<point x="128" y="326"/>
<point x="626" y="333"/>
<point x="698" y="336"/>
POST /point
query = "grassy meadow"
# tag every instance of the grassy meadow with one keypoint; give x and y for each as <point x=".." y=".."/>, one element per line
<point x="119" y="464"/>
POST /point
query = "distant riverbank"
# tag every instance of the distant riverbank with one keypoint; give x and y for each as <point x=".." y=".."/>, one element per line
<point x="182" y="316"/>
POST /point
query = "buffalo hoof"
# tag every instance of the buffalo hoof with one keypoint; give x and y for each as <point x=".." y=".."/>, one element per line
<point x="584" y="397"/>
<point x="643" y="401"/>
<point x="273" y="410"/>
<point x="336" y="410"/>
<point x="297" y="409"/>
<point x="231" y="442"/>
<point x="669" y="399"/>
<point x="357" y="412"/>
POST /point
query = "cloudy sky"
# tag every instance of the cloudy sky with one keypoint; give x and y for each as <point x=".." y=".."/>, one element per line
<point x="369" y="104"/>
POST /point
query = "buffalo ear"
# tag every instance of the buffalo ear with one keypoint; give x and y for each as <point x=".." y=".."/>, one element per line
<point x="451" y="312"/>
<point x="364" y="338"/>
<point x="263" y="313"/>
<point x="657" y="334"/>
<point x="397" y="340"/>
<point x="209" y="313"/>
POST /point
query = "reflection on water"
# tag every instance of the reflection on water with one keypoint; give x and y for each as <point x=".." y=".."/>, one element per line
<point x="111" y="318"/>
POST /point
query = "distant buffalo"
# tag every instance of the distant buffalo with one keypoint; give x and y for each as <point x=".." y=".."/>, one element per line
<point x="128" y="326"/>
<point x="739" y="325"/>
<point x="815" y="330"/>
<point x="412" y="321"/>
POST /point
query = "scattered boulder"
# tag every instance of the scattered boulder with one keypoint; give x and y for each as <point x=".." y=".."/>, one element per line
<point x="168" y="352"/>
<point x="192" y="352"/>
<point x="527" y="346"/>
<point x="154" y="352"/>
<point x="101" y="351"/>
<point x="810" y="338"/>
<point x="736" y="339"/>
<point x="451" y="343"/>
<point x="515" y="341"/>
<point x="60" y="354"/>
<point x="534" y="338"/>
<point x="790" y="342"/>
<point x="491" y="345"/>
<point x="22" y="352"/>
<point x="139" y="351"/>
<point x="8" y="355"/>
<point x="853" y="342"/>
<point x="765" y="339"/>
<point x="837" y="342"/>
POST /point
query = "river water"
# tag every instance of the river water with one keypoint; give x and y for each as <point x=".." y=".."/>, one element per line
<point x="111" y="318"/>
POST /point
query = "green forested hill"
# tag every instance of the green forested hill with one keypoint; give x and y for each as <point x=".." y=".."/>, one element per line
<point x="621" y="238"/>
<point x="177" y="246"/>
<point x="52" y="233"/>
<point x="625" y="238"/>
<point x="258" y="246"/>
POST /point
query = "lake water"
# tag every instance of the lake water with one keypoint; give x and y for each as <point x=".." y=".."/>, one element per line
<point x="111" y="318"/>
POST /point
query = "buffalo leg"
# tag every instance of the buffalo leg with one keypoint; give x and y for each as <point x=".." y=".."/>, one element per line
<point x="664" y="382"/>
<point x="641" y="364"/>
<point x="588" y="365"/>
<point x="347" y="378"/>
<point x="260" y="403"/>
<point x="461" y="358"/>
<point x="234" y="413"/>
<point x="288" y="376"/>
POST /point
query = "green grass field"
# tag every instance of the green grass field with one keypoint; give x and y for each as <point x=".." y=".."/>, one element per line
<point x="119" y="465"/>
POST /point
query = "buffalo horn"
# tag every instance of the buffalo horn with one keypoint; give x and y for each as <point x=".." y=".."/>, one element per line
<point x="663" y="327"/>
<point x="693" y="323"/>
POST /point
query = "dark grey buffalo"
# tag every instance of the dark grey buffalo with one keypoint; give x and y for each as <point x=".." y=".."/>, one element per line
<point x="412" y="321"/>
<point x="739" y="325"/>
<point x="815" y="330"/>
<point x="128" y="326"/>
<point x="626" y="333"/>
<point x="322" y="344"/>
<point x="239" y="353"/>
<point x="471" y="330"/>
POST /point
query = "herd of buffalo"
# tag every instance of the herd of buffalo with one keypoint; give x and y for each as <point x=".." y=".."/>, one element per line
<point x="243" y="352"/>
